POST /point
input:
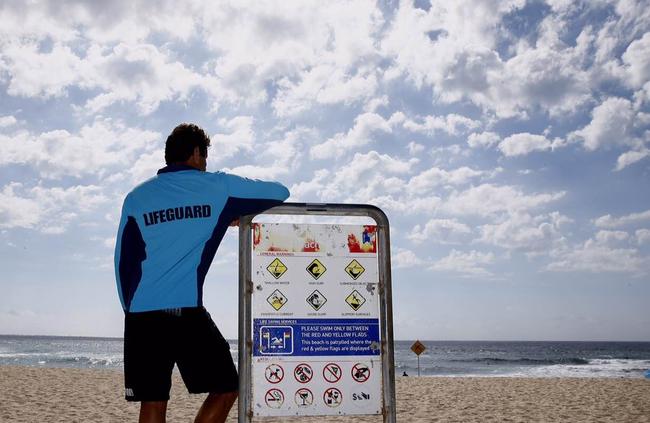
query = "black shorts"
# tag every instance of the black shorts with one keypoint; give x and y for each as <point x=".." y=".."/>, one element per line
<point x="156" y="340"/>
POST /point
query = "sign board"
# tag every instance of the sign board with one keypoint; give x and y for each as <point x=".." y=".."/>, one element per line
<point x="316" y="332"/>
<point x="418" y="347"/>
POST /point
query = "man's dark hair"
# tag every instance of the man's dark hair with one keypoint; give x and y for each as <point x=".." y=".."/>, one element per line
<point x="182" y="141"/>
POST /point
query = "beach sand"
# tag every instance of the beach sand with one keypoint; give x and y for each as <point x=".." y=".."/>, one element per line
<point x="78" y="395"/>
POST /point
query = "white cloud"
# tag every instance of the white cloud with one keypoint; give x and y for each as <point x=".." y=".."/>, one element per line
<point x="138" y="73"/>
<point x="240" y="137"/>
<point x="609" y="221"/>
<point x="414" y="148"/>
<point x="611" y="125"/>
<point x="524" y="232"/>
<point x="642" y="236"/>
<point x="6" y="121"/>
<point x="524" y="143"/>
<point x="637" y="61"/>
<point x="453" y="124"/>
<point x="471" y="264"/>
<point x="443" y="231"/>
<point x="611" y="237"/>
<point x="630" y="157"/>
<point x="36" y="74"/>
<point x="483" y="139"/>
<point x="489" y="200"/>
<point x="365" y="125"/>
<point x="435" y="177"/>
<point x="323" y="84"/>
<point x="49" y="210"/>
<point x="97" y="149"/>
<point x="403" y="258"/>
<point x="460" y="60"/>
<point x="599" y="255"/>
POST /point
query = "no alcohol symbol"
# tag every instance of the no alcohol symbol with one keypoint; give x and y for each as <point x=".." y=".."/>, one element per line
<point x="304" y="397"/>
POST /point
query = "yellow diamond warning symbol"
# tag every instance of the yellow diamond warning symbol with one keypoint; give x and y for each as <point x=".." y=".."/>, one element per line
<point x="277" y="299"/>
<point x="355" y="300"/>
<point x="276" y="268"/>
<point x="316" y="269"/>
<point x="354" y="269"/>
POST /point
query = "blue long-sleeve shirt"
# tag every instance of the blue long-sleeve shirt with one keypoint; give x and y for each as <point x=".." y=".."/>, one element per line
<point x="171" y="227"/>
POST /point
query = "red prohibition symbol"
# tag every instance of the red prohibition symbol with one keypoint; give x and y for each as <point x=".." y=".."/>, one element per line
<point x="274" y="373"/>
<point x="274" y="398"/>
<point x="332" y="372"/>
<point x="360" y="372"/>
<point x="332" y="397"/>
<point x="303" y="373"/>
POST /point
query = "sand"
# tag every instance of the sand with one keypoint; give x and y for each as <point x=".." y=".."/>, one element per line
<point x="78" y="395"/>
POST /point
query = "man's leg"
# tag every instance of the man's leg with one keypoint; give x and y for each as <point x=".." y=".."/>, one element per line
<point x="153" y="411"/>
<point x="216" y="407"/>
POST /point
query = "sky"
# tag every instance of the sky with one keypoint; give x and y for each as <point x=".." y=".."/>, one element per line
<point x="507" y="141"/>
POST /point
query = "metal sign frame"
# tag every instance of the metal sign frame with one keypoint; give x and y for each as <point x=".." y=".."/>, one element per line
<point x="384" y="288"/>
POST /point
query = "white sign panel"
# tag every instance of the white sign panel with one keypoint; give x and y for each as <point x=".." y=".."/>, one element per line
<point x="316" y="342"/>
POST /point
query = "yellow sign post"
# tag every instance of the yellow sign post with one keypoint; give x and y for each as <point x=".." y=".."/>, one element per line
<point x="418" y="348"/>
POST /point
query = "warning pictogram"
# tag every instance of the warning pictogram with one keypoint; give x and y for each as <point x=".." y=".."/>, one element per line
<point x="316" y="299"/>
<point x="418" y="347"/>
<point x="276" y="268"/>
<point x="277" y="299"/>
<point x="316" y="269"/>
<point x="332" y="397"/>
<point x="360" y="372"/>
<point x="274" y="373"/>
<point x="304" y="397"/>
<point x="354" y="269"/>
<point x="332" y="372"/>
<point x="303" y="373"/>
<point x="355" y="300"/>
<point x="274" y="398"/>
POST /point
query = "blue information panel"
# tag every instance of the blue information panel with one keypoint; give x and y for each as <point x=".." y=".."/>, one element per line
<point x="315" y="337"/>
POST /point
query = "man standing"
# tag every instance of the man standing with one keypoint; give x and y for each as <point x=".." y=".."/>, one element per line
<point x="170" y="230"/>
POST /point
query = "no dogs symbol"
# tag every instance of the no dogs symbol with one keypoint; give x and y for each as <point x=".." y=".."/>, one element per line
<point x="274" y="373"/>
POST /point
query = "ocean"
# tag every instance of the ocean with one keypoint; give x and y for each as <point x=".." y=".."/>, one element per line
<point x="441" y="358"/>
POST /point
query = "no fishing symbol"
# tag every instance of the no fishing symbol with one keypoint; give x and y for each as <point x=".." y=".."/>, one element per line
<point x="303" y="373"/>
<point x="274" y="398"/>
<point x="332" y="372"/>
<point x="360" y="372"/>
<point x="274" y="373"/>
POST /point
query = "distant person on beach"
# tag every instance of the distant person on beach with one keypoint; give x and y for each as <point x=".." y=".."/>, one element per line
<point x="169" y="232"/>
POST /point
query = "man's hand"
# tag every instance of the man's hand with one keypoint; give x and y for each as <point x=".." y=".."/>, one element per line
<point x="234" y="223"/>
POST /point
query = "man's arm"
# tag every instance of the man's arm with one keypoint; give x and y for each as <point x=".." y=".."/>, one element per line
<point x="250" y="196"/>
